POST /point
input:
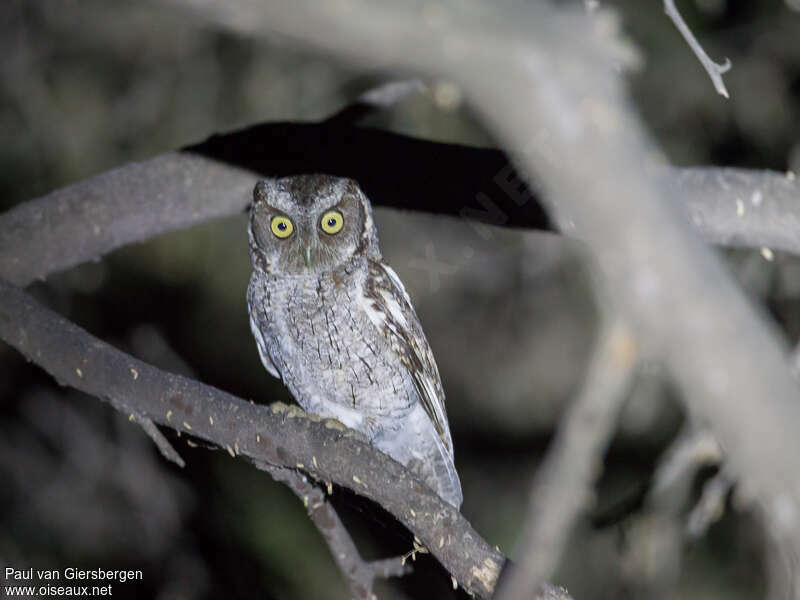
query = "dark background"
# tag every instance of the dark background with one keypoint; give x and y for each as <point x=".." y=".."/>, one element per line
<point x="87" y="86"/>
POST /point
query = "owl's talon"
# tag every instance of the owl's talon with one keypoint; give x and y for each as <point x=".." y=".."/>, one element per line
<point x="345" y="431"/>
<point x="335" y="424"/>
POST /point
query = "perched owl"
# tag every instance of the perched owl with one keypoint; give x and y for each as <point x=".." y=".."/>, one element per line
<point x="335" y="323"/>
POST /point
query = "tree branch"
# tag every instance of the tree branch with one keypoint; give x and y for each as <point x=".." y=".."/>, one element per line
<point x="739" y="207"/>
<point x="86" y="220"/>
<point x="276" y="435"/>
<point x="161" y="442"/>
<point x="213" y="179"/>
<point x="711" y="505"/>
<point x="691" y="450"/>
<point x="714" y="70"/>
<point x="563" y="483"/>
<point x="360" y="574"/>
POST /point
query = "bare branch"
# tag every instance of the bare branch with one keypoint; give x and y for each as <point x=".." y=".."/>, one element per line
<point x="86" y="220"/>
<point x="380" y="97"/>
<point x="176" y="190"/>
<point x="359" y="574"/>
<point x="714" y="70"/>
<point x="692" y="449"/>
<point x="563" y="484"/>
<point x="389" y="93"/>
<point x="711" y="506"/>
<point x="276" y="435"/>
<point x="739" y="207"/>
<point x="161" y="442"/>
<point x="213" y="179"/>
<point x="783" y="569"/>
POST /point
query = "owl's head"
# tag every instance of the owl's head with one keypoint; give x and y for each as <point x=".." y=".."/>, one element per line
<point x="309" y="224"/>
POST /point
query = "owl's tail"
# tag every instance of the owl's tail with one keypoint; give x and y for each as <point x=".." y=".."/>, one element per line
<point x="448" y="485"/>
<point x="418" y="446"/>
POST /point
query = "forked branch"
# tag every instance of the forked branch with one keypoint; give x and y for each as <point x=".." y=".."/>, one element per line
<point x="714" y="70"/>
<point x="360" y="574"/>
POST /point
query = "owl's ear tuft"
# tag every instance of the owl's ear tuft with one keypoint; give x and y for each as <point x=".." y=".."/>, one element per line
<point x="352" y="187"/>
<point x="262" y="190"/>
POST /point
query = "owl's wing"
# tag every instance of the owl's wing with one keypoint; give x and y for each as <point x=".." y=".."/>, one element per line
<point x="389" y="308"/>
<point x="257" y="326"/>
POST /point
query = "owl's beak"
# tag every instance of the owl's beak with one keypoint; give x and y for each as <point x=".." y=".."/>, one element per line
<point x="307" y="256"/>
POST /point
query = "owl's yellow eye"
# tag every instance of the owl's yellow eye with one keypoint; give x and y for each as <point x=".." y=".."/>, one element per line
<point x="332" y="222"/>
<point x="281" y="226"/>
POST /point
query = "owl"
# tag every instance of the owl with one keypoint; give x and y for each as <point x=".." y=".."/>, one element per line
<point x="335" y="323"/>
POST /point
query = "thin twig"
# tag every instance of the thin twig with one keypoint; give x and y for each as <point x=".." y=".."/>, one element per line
<point x="692" y="449"/>
<point x="711" y="505"/>
<point x="714" y="70"/>
<point x="359" y="574"/>
<point x="391" y="92"/>
<point x="161" y="442"/>
<point x="562" y="487"/>
<point x="656" y="534"/>
<point x="377" y="98"/>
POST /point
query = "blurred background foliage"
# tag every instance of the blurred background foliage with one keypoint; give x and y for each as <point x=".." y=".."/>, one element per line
<point x="89" y="85"/>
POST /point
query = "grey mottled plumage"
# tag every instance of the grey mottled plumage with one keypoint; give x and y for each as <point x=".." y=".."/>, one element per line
<point x="335" y="323"/>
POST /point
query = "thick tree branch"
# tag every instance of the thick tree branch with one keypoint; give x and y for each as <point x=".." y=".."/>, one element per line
<point x="176" y="190"/>
<point x="86" y="220"/>
<point x="739" y="207"/>
<point x="276" y="435"/>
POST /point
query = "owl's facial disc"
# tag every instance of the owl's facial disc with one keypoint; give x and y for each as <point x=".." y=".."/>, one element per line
<point x="306" y="225"/>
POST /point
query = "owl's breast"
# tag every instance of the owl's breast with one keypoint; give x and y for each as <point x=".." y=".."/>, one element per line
<point x="329" y="354"/>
